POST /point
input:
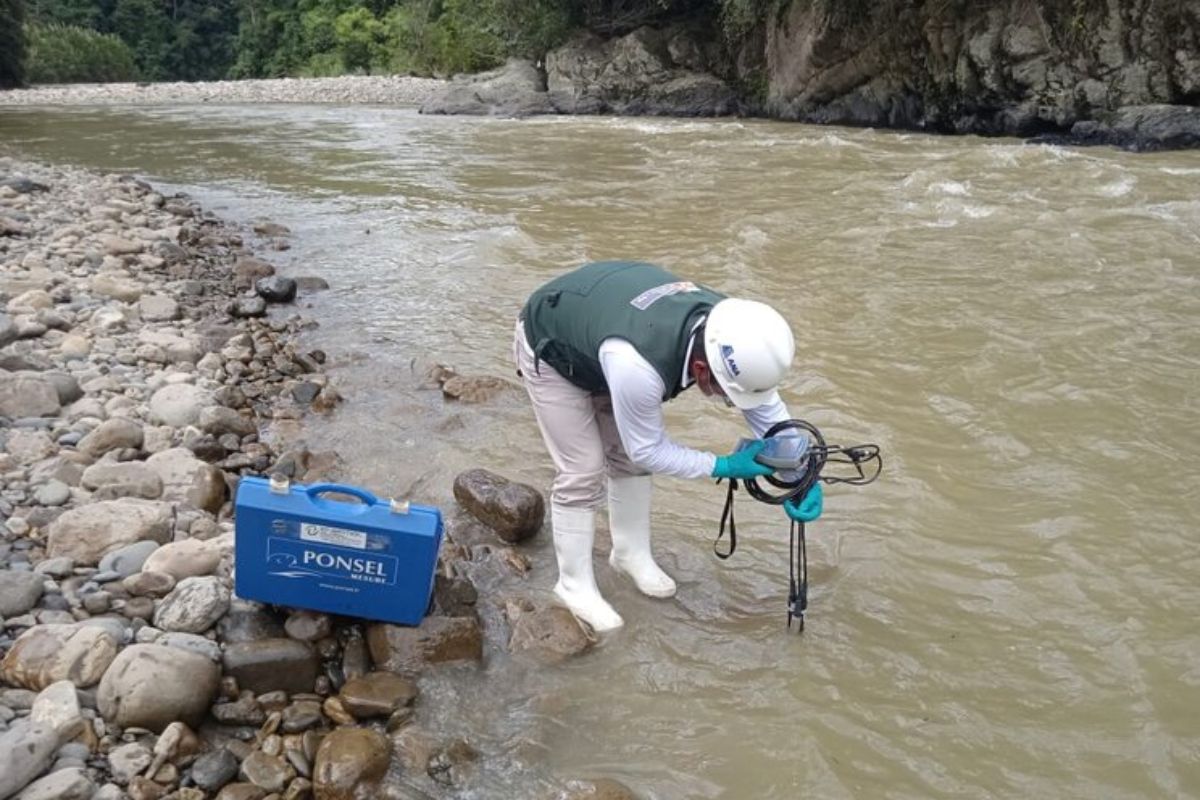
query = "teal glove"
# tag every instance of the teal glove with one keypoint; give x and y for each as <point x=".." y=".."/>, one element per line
<point x="808" y="509"/>
<point x="741" y="465"/>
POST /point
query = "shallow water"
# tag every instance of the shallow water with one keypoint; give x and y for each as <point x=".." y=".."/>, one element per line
<point x="1011" y="611"/>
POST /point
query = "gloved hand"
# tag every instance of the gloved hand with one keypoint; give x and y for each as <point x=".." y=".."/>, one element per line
<point x="807" y="509"/>
<point x="741" y="465"/>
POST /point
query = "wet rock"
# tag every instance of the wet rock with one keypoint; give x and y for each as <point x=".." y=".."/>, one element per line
<point x="276" y="289"/>
<point x="179" y="404"/>
<point x="514" y="510"/>
<point x="151" y="686"/>
<point x="185" y="559"/>
<point x="349" y="761"/>
<point x="272" y="664"/>
<point x="271" y="229"/>
<point x="19" y="592"/>
<point x="301" y="715"/>
<point x="448" y="765"/>
<point x="305" y="392"/>
<point x="219" y="420"/>
<point x="112" y="481"/>
<point x="22" y="185"/>
<point x="247" y="307"/>
<point x="247" y="621"/>
<point x="308" y="626"/>
<point x="158" y="308"/>
<point x="243" y="711"/>
<point x="549" y="633"/>
<point x="71" y="783"/>
<point x="310" y="283"/>
<point x="337" y="712"/>
<point x="87" y="533"/>
<point x="598" y="789"/>
<point x="454" y="597"/>
<point x="187" y="479"/>
<point x="377" y="694"/>
<point x="408" y="651"/>
<point x="268" y="772"/>
<point x="46" y="654"/>
<point x="26" y="750"/>
<point x="249" y="270"/>
<point x="193" y="606"/>
<point x="129" y="760"/>
<point x="476" y="389"/>
<point x="414" y="748"/>
<point x="114" y="434"/>
<point x="242" y="791"/>
<point x="58" y="706"/>
<point x="214" y="769"/>
<point x="127" y="560"/>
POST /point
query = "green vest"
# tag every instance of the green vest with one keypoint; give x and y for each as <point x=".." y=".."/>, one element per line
<point x="568" y="318"/>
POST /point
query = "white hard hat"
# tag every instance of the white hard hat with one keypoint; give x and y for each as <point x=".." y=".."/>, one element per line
<point x="749" y="348"/>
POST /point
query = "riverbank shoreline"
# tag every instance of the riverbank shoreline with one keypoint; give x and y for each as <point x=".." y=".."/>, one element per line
<point x="142" y="374"/>
<point x="394" y="90"/>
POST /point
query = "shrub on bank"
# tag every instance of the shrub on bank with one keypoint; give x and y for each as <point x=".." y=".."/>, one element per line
<point x="12" y="44"/>
<point x="67" y="54"/>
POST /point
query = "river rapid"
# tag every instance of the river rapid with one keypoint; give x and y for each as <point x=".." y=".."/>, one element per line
<point x="1011" y="611"/>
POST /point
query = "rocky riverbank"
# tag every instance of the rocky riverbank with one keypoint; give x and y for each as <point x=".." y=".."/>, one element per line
<point x="395" y="90"/>
<point x="148" y="360"/>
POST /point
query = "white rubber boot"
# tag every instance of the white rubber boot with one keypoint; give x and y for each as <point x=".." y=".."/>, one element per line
<point x="629" y="522"/>
<point x="574" y="532"/>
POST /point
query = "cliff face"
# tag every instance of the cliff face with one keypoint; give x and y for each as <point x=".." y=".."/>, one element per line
<point x="999" y="66"/>
<point x="1124" y="72"/>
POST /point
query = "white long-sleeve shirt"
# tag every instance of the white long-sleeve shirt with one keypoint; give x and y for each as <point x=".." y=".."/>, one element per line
<point x="637" y="391"/>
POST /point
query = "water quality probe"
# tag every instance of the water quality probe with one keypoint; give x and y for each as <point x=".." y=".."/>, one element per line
<point x="800" y="454"/>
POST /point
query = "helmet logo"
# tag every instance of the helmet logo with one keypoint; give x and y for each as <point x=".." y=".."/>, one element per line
<point x="730" y="364"/>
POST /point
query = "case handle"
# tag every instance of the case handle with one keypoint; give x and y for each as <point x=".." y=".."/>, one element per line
<point x="317" y="489"/>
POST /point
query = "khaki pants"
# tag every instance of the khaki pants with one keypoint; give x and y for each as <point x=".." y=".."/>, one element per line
<point x="579" y="430"/>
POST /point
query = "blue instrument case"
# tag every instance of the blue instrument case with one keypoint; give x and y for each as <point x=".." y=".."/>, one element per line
<point x="373" y="559"/>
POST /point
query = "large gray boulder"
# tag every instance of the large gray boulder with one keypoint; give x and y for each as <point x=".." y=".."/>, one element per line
<point x="25" y="395"/>
<point x="188" y="480"/>
<point x="151" y="686"/>
<point x="515" y="90"/>
<point x="47" y="654"/>
<point x="26" y="749"/>
<point x="85" y="534"/>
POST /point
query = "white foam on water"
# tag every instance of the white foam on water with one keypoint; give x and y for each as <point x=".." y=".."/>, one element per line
<point x="1118" y="188"/>
<point x="953" y="188"/>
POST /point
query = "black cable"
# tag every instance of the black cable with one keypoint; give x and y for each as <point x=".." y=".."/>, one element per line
<point x="818" y="455"/>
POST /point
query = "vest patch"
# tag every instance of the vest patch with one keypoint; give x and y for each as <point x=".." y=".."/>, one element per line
<point x="648" y="297"/>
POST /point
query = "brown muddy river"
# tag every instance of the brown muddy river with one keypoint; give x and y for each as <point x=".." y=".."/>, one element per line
<point x="1011" y="611"/>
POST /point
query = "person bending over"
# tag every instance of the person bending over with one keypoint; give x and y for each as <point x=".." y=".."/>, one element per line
<point x="600" y="349"/>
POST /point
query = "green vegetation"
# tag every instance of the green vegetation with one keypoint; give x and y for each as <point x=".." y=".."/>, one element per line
<point x="211" y="39"/>
<point x="69" y="54"/>
<point x="12" y="43"/>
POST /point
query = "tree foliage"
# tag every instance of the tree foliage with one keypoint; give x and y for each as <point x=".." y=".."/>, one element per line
<point x="69" y="54"/>
<point x="12" y="43"/>
<point x="207" y="39"/>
